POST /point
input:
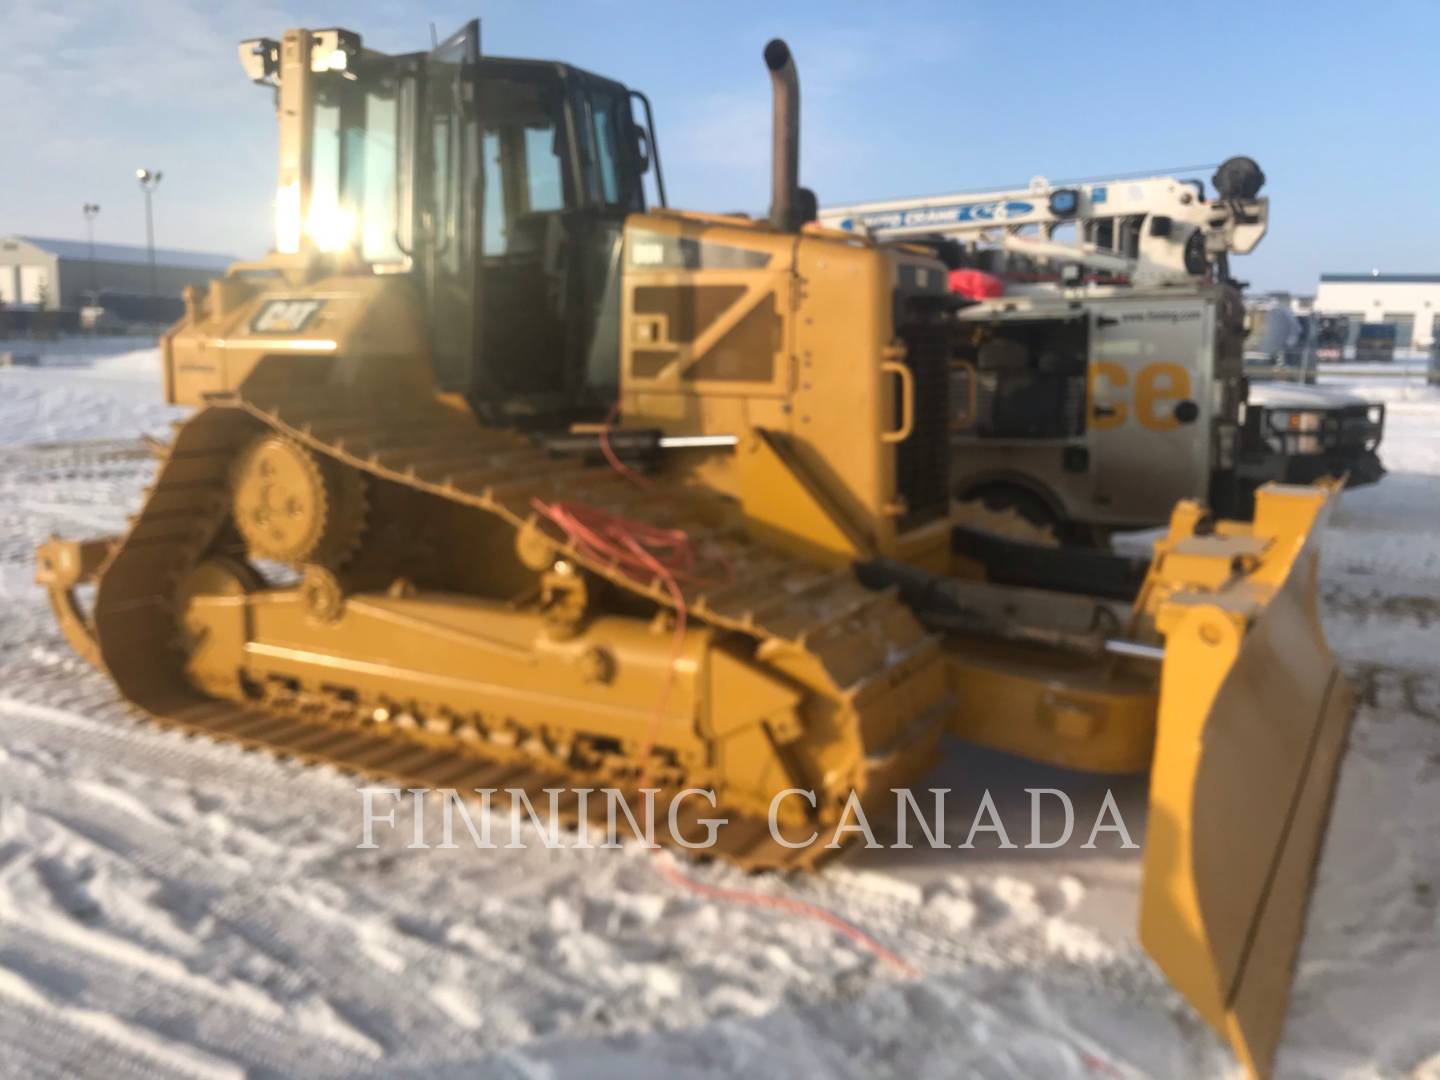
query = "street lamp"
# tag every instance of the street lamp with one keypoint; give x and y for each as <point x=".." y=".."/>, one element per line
<point x="90" y="209"/>
<point x="148" y="181"/>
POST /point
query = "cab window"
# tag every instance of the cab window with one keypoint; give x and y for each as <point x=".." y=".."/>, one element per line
<point x="353" y="194"/>
<point x="603" y="116"/>
<point x="618" y="184"/>
<point x="524" y="161"/>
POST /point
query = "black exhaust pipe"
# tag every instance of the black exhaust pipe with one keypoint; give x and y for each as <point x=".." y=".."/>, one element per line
<point x="785" y="211"/>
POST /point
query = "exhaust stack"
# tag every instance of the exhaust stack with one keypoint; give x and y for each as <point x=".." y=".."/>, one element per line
<point x="785" y="148"/>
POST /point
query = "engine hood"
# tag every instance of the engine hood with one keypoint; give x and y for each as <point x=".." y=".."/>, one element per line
<point x="1277" y="395"/>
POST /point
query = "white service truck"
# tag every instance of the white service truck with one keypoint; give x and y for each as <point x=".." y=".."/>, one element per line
<point x="1099" y="375"/>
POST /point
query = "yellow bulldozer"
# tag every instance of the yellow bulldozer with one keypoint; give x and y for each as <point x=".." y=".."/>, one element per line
<point x="500" y="476"/>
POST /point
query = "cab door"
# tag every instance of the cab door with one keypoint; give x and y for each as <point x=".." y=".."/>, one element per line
<point x="450" y="196"/>
<point x="1148" y="411"/>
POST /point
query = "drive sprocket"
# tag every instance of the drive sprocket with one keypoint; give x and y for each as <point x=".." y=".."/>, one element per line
<point x="295" y="506"/>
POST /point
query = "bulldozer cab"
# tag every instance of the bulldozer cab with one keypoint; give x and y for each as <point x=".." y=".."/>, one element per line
<point x="501" y="186"/>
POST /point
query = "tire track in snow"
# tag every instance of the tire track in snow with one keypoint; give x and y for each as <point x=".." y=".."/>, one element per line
<point x="65" y="1024"/>
<point x="166" y="853"/>
<point x="159" y="961"/>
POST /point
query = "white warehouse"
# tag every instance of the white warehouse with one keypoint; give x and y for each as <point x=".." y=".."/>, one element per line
<point x="1409" y="302"/>
<point x="40" y="272"/>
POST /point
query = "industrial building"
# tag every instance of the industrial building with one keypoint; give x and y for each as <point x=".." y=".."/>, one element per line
<point x="36" y="272"/>
<point x="1409" y="302"/>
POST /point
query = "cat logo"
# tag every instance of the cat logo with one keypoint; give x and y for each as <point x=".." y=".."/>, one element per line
<point x="285" y="316"/>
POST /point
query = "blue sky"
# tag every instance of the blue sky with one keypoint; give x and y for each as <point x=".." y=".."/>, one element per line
<point x="1336" y="102"/>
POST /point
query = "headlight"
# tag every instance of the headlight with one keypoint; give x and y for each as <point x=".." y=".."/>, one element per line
<point x="1305" y="426"/>
<point x="1296" y="421"/>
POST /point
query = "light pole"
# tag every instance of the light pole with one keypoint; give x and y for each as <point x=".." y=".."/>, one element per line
<point x="90" y="209"/>
<point x="148" y="181"/>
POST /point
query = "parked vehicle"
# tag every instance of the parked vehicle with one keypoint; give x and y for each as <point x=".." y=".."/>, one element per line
<point x="1375" y="343"/>
<point x="1314" y="431"/>
<point x="1104" y="369"/>
<point x="1331" y="332"/>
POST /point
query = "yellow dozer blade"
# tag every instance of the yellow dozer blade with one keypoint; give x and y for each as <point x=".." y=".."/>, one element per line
<point x="1253" y="720"/>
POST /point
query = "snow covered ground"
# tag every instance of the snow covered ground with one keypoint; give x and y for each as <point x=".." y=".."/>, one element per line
<point x="81" y="388"/>
<point x="170" y="907"/>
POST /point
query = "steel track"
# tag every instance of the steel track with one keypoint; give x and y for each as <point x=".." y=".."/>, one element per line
<point x="866" y="643"/>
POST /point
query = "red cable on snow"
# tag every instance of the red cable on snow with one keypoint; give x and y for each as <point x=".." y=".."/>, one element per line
<point x="668" y="555"/>
<point x="788" y="904"/>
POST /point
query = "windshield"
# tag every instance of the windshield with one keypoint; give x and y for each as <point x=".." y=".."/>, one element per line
<point x="353" y="173"/>
<point x="359" y="188"/>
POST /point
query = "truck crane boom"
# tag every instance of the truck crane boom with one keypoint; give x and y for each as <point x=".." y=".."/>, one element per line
<point x="1150" y="230"/>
